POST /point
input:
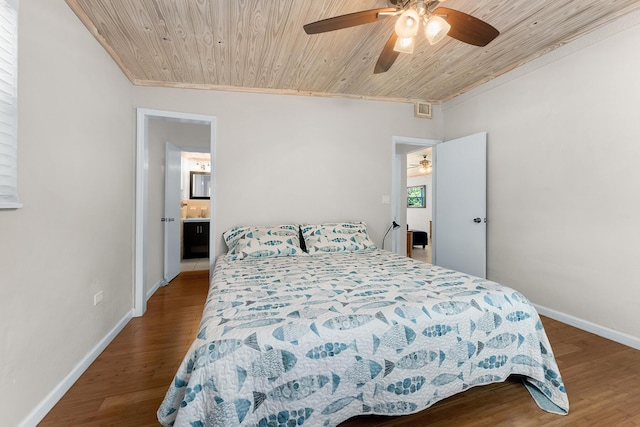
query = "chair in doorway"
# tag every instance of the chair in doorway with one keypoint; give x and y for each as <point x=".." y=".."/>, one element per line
<point x="420" y="238"/>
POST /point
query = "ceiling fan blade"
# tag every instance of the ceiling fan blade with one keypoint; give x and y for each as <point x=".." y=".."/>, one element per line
<point x="467" y="28"/>
<point x="387" y="56"/>
<point x="346" y="21"/>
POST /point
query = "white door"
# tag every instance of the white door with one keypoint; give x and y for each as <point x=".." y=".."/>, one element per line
<point x="459" y="220"/>
<point x="172" y="212"/>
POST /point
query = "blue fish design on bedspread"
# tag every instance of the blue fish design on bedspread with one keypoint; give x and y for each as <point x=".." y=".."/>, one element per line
<point x="292" y="390"/>
<point x="317" y="339"/>
<point x="271" y="365"/>
<point x="286" y="417"/>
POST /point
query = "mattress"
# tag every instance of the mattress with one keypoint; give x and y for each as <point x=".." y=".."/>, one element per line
<point x="315" y="340"/>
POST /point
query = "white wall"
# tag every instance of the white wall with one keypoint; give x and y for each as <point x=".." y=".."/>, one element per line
<point x="563" y="150"/>
<point x="293" y="159"/>
<point x="74" y="235"/>
<point x="418" y="218"/>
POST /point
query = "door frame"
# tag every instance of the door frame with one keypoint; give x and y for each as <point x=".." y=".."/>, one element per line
<point x="142" y="194"/>
<point x="398" y="168"/>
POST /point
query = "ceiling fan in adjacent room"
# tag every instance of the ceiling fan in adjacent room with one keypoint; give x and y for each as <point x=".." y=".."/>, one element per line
<point x="437" y="23"/>
<point x="424" y="165"/>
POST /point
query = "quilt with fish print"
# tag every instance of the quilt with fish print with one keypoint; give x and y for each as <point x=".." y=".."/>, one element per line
<point x="315" y="340"/>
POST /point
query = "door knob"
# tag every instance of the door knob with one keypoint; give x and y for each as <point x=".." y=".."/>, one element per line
<point x="477" y="220"/>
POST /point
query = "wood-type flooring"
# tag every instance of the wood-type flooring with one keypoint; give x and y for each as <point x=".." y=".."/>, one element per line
<point x="127" y="382"/>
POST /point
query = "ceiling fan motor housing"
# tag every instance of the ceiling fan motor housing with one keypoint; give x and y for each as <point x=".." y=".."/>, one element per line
<point x="400" y="4"/>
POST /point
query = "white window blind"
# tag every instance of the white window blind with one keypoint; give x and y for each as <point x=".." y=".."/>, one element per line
<point x="9" y="104"/>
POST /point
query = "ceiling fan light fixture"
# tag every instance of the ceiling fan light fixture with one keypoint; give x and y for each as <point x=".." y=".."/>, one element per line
<point x="436" y="28"/>
<point x="404" y="45"/>
<point x="407" y="24"/>
<point x="409" y="16"/>
<point x="425" y="165"/>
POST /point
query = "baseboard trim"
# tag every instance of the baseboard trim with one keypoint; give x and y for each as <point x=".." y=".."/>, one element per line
<point x="585" y="325"/>
<point x="155" y="287"/>
<point x="43" y="408"/>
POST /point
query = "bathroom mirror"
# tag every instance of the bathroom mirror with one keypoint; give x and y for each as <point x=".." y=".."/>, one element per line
<point x="200" y="185"/>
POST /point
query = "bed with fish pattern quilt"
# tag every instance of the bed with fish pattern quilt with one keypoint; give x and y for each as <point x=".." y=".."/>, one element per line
<point x="315" y="340"/>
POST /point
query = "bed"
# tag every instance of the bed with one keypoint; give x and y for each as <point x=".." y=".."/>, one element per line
<point x="314" y="325"/>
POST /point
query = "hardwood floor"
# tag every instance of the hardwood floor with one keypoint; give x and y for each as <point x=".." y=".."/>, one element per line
<point x="422" y="254"/>
<point x="126" y="384"/>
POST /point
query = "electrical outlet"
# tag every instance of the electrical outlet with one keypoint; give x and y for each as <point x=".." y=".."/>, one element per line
<point x="97" y="298"/>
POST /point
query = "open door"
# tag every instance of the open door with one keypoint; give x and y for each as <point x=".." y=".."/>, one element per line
<point x="172" y="212"/>
<point x="459" y="217"/>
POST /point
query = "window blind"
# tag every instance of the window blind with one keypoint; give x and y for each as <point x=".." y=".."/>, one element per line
<point x="9" y="104"/>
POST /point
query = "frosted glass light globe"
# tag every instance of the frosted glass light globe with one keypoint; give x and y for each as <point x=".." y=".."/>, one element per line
<point x="407" y="24"/>
<point x="436" y="29"/>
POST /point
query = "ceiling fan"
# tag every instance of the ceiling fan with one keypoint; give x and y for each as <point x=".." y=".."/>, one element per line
<point x="438" y="22"/>
<point x="424" y="164"/>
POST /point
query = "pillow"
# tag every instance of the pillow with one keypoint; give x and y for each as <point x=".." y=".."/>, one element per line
<point x="336" y="237"/>
<point x="261" y="242"/>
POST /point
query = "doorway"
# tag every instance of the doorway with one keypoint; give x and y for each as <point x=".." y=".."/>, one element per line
<point x="194" y="210"/>
<point x="420" y="204"/>
<point x="142" y="214"/>
<point x="459" y="200"/>
<point x="401" y="147"/>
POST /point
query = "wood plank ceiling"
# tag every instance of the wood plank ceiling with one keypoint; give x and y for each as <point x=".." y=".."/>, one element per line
<point x="260" y="46"/>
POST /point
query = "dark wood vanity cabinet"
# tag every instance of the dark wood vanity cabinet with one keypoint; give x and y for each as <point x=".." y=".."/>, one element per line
<point x="196" y="239"/>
